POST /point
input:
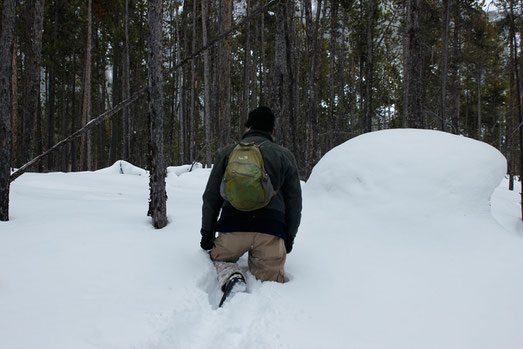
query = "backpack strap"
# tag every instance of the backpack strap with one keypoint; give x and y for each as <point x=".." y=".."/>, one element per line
<point x="259" y="147"/>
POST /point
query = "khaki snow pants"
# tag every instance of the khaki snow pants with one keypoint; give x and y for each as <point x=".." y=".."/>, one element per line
<point x="266" y="255"/>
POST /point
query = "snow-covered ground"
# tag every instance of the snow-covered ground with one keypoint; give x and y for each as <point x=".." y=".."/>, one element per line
<point x="398" y="248"/>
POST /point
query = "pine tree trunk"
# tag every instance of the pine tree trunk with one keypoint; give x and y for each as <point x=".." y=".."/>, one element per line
<point x="101" y="158"/>
<point x="207" y="82"/>
<point x="361" y="75"/>
<point x="38" y="135"/>
<point x="51" y="115"/>
<point x="74" y="119"/>
<point x="193" y="117"/>
<point x="280" y="97"/>
<point x="116" y="94"/>
<point x="224" y="74"/>
<point x="518" y="94"/>
<point x="26" y="119"/>
<point x="64" y="111"/>
<point x="6" y="60"/>
<point x="478" y="85"/>
<point x="158" y="195"/>
<point x="345" y="112"/>
<point x="170" y="95"/>
<point x="263" y="69"/>
<point x="312" y="140"/>
<point x="454" y="95"/>
<point x="126" y="89"/>
<point x="170" y="157"/>
<point x="369" y="69"/>
<point x="180" y="98"/>
<point x="444" y="63"/>
<point x="86" y="162"/>
<point x="15" y="159"/>
<point x="297" y="141"/>
<point x="32" y="101"/>
<point x="215" y="94"/>
<point x="244" y="110"/>
<point x="52" y="92"/>
<point x="253" y="71"/>
<point x="186" y="86"/>
<point x="413" y="85"/>
<point x="332" y="73"/>
<point x="291" y="84"/>
<point x="511" y="141"/>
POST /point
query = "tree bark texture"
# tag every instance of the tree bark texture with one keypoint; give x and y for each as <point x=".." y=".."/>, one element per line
<point x="281" y="94"/>
<point x="479" y="88"/>
<point x="244" y="110"/>
<point x="511" y="141"/>
<point x="444" y="62"/>
<point x="332" y="72"/>
<point x="6" y="59"/>
<point x="33" y="68"/>
<point x="102" y="161"/>
<point x="38" y="135"/>
<point x="15" y="158"/>
<point x="171" y="85"/>
<point x="369" y="69"/>
<point x="456" y="48"/>
<point x="224" y="74"/>
<point x="180" y="97"/>
<point x="52" y="92"/>
<point x="126" y="88"/>
<point x="158" y="195"/>
<point x="413" y="84"/>
<point x="312" y="143"/>
<point x="63" y="111"/>
<point x="114" y="152"/>
<point x="263" y="67"/>
<point x="192" y="116"/>
<point x="518" y="94"/>
<point x="185" y="87"/>
<point x="74" y="119"/>
<point x="207" y="84"/>
<point x="291" y="85"/>
<point x="345" y="109"/>
<point x="86" y="162"/>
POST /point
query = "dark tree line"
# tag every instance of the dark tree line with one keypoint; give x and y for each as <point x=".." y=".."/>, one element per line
<point x="330" y="69"/>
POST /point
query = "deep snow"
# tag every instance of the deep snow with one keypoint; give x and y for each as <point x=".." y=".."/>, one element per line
<point x="398" y="248"/>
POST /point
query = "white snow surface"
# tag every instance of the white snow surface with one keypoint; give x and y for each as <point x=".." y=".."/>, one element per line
<point x="409" y="239"/>
<point x="123" y="167"/>
<point x="420" y="171"/>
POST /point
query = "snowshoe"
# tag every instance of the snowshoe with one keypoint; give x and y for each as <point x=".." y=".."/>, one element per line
<point x="235" y="284"/>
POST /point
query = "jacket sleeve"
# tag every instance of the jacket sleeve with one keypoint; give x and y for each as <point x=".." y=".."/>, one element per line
<point x="291" y="191"/>
<point x="212" y="200"/>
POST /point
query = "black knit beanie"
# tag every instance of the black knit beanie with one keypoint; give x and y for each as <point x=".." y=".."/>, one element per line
<point x="261" y="119"/>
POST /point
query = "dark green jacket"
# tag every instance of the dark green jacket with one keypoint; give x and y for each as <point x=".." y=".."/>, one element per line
<point x="280" y="164"/>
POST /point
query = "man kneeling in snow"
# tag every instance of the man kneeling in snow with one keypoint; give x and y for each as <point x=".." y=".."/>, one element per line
<point x="267" y="233"/>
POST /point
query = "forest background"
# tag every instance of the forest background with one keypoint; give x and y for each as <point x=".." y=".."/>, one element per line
<point x="331" y="70"/>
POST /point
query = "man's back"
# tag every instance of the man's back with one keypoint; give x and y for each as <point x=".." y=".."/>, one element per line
<point x="268" y="233"/>
<point x="284" y="207"/>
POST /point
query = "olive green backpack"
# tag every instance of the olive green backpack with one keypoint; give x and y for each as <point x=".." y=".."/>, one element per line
<point x="246" y="184"/>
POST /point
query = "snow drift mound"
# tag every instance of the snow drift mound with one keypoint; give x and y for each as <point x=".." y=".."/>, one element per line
<point x="123" y="167"/>
<point x="409" y="169"/>
<point x="180" y="170"/>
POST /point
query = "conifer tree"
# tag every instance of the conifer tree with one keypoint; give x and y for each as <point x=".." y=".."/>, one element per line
<point x="6" y="58"/>
<point x="158" y="195"/>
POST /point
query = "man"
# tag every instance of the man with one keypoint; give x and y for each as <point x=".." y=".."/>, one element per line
<point x="267" y="233"/>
